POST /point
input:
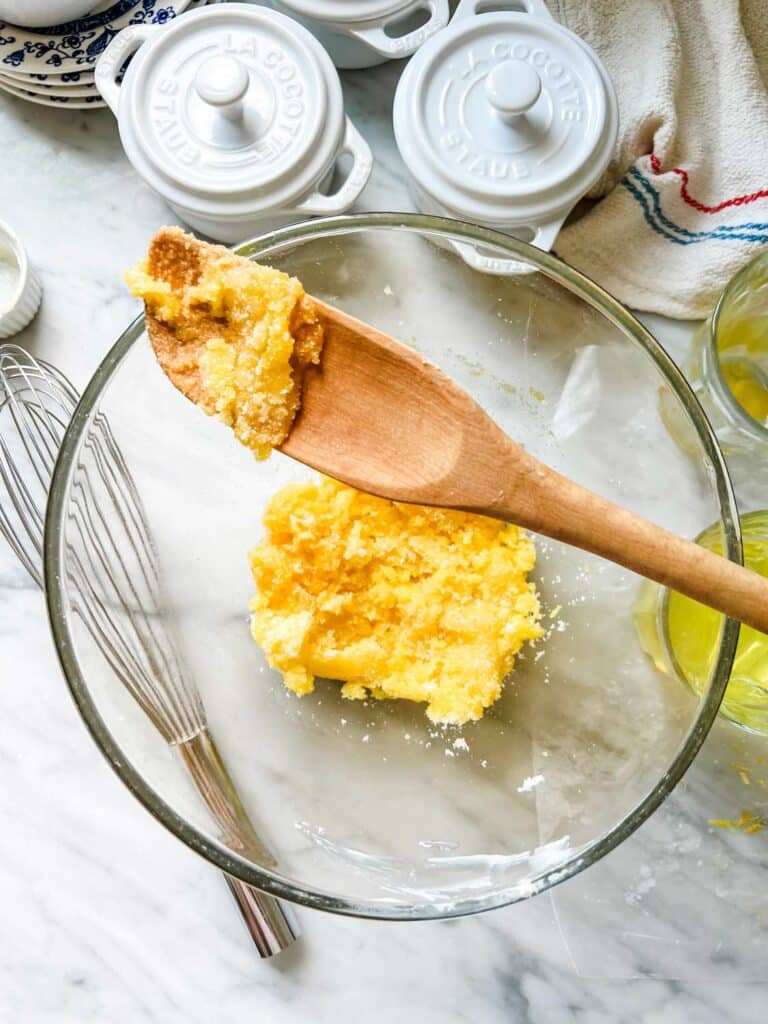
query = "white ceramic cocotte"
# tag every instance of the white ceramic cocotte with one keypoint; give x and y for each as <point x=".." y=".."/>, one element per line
<point x="364" y="33"/>
<point x="505" y="119"/>
<point x="20" y="290"/>
<point x="234" y="115"/>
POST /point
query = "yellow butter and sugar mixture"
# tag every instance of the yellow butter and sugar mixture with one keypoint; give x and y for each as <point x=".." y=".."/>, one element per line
<point x="233" y="335"/>
<point x="396" y="601"/>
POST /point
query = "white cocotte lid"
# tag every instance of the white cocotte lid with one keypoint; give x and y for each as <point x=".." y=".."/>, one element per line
<point x="506" y="118"/>
<point x="232" y="110"/>
<point x="346" y="12"/>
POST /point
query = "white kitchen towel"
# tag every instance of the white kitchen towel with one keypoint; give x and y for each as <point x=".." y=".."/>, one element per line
<point x="684" y="202"/>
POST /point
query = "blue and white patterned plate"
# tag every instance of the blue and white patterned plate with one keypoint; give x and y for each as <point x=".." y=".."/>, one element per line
<point x="65" y="78"/>
<point x="92" y="102"/>
<point x="61" y="89"/>
<point x="78" y="44"/>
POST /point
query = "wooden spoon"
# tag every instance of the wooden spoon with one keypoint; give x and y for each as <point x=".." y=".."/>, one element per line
<point x="376" y="415"/>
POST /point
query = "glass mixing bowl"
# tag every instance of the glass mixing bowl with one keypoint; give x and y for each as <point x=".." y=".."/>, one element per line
<point x="368" y="808"/>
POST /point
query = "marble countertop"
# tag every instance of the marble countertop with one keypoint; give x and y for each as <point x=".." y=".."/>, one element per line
<point x="106" y="917"/>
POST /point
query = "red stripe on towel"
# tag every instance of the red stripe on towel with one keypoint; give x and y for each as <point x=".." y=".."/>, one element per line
<point x="702" y="207"/>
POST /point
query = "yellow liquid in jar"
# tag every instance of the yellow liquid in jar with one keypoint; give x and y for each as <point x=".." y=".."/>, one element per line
<point x="740" y="363"/>
<point x="741" y="335"/>
<point x="693" y="632"/>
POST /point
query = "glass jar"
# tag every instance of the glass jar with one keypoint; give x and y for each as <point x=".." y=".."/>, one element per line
<point x="728" y="361"/>
<point x="681" y="636"/>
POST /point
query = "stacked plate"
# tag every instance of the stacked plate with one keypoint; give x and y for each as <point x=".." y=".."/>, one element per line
<point x="54" y="66"/>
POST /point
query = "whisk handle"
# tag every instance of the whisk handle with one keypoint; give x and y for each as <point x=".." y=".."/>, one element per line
<point x="271" y="924"/>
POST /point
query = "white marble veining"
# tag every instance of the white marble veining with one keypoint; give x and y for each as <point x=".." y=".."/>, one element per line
<point x="105" y="917"/>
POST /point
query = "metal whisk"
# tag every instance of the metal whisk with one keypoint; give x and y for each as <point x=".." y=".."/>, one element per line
<point x="115" y="590"/>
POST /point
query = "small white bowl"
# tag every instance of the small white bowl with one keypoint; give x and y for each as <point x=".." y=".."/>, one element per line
<point x="44" y="13"/>
<point x="19" y="305"/>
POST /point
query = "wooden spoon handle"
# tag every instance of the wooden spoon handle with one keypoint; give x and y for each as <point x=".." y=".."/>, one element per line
<point x="567" y="512"/>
